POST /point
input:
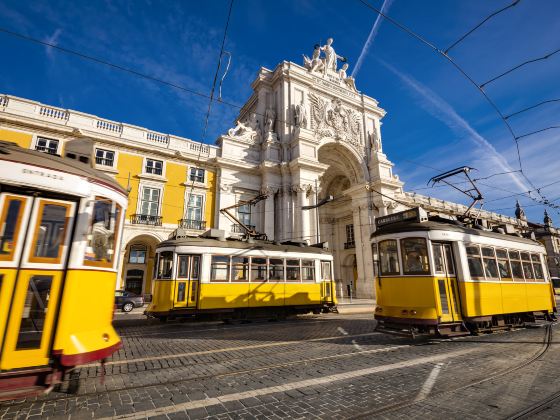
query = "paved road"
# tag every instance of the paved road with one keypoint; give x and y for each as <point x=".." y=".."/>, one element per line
<point x="325" y="366"/>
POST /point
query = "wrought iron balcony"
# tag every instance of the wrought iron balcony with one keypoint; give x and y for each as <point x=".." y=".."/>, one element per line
<point x="349" y="245"/>
<point x="104" y="161"/>
<point x="145" y="219"/>
<point x="239" y="228"/>
<point x="192" y="224"/>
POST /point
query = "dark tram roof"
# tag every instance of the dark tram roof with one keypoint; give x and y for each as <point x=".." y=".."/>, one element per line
<point x="238" y="244"/>
<point x="452" y="226"/>
<point x="12" y="152"/>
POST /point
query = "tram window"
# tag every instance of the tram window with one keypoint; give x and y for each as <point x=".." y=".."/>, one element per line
<point x="34" y="313"/>
<point x="181" y="291"/>
<point x="293" y="270"/>
<point x="195" y="267"/>
<point x="503" y="264"/>
<point x="276" y="269"/>
<point x="182" y="266"/>
<point x="525" y="256"/>
<point x="415" y="256"/>
<point x="239" y="269"/>
<point x="490" y="264"/>
<point x="516" y="267"/>
<point x="438" y="258"/>
<point x="9" y="226"/>
<point x="449" y="258"/>
<point x="258" y="269"/>
<point x="50" y="232"/>
<point x="102" y="233"/>
<point x="389" y="257"/>
<point x="219" y="268"/>
<point x="537" y="267"/>
<point x="165" y="265"/>
<point x="528" y="271"/>
<point x="475" y="262"/>
<point x="326" y="273"/>
<point x="308" y="270"/>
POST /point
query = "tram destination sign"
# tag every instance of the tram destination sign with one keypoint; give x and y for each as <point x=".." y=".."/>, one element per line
<point x="416" y="214"/>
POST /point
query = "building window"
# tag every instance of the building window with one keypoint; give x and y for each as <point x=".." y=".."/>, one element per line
<point x="104" y="157"/>
<point x="150" y="201"/>
<point x="46" y="145"/>
<point x="196" y="175"/>
<point x="194" y="208"/>
<point x="137" y="254"/>
<point x="154" y="167"/>
<point x="244" y="214"/>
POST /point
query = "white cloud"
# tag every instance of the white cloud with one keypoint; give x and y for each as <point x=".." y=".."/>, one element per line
<point x="53" y="40"/>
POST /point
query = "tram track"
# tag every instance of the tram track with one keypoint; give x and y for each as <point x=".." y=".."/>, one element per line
<point x="526" y="413"/>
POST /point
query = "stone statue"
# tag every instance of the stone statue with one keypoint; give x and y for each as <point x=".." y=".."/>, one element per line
<point x="300" y="115"/>
<point x="269" y="119"/>
<point x="519" y="212"/>
<point x="248" y="129"/>
<point x="315" y="63"/>
<point x="329" y="61"/>
<point x="374" y="142"/>
<point x="348" y="80"/>
<point x="547" y="219"/>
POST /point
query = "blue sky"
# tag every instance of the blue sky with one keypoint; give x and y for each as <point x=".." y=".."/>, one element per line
<point x="436" y="120"/>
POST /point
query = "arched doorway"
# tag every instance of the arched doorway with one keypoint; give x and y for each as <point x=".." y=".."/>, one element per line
<point x="138" y="265"/>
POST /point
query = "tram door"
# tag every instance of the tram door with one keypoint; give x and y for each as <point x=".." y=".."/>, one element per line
<point x="34" y="246"/>
<point x="187" y="283"/>
<point x="446" y="282"/>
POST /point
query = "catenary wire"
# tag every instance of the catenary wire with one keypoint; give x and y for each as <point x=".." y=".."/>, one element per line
<point x="531" y="107"/>
<point x="544" y="57"/>
<point x="482" y="23"/>
<point x="552" y="127"/>
<point x="469" y="78"/>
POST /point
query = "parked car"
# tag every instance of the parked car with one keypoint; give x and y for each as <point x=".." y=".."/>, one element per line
<point x="127" y="301"/>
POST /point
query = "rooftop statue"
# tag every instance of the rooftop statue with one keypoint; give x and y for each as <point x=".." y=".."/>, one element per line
<point x="248" y="129"/>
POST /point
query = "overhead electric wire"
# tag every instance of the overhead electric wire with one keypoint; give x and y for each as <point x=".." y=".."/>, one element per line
<point x="544" y="57"/>
<point x="552" y="127"/>
<point x="470" y="79"/>
<point x="480" y="24"/>
<point x="531" y="107"/>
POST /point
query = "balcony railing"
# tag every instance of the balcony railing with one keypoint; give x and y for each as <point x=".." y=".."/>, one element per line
<point x="145" y="219"/>
<point x="349" y="245"/>
<point x="103" y="161"/>
<point x="192" y="224"/>
<point x="153" y="170"/>
<point x="239" y="228"/>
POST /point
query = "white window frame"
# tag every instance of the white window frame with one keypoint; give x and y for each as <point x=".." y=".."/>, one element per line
<point x="194" y="168"/>
<point x="141" y="194"/>
<point x="149" y="174"/>
<point x="101" y="165"/>
<point x="188" y="194"/>
<point x="38" y="138"/>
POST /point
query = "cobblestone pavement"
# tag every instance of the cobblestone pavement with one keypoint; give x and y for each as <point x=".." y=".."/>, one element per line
<point x="323" y="366"/>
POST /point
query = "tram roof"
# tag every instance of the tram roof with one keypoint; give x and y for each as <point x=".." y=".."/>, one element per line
<point x="237" y="244"/>
<point x="403" y="227"/>
<point x="12" y="152"/>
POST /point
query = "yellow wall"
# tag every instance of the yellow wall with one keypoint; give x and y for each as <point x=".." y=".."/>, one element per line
<point x="129" y="164"/>
<point x="210" y="199"/>
<point x="173" y="203"/>
<point x="22" y="139"/>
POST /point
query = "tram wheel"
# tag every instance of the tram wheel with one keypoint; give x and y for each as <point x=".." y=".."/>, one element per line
<point x="73" y="382"/>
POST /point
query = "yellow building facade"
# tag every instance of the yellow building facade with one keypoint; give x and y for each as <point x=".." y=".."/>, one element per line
<point x="171" y="180"/>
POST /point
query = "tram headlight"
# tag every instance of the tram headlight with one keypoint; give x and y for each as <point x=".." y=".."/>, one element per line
<point x="412" y="312"/>
<point x="105" y="337"/>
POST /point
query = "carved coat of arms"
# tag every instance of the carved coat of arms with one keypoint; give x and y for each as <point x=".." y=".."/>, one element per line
<point x="331" y="119"/>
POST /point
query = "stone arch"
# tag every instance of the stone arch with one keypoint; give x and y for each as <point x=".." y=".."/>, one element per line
<point x="138" y="255"/>
<point x="343" y="160"/>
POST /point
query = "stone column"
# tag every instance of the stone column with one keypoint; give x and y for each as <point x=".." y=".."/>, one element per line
<point x="269" y="212"/>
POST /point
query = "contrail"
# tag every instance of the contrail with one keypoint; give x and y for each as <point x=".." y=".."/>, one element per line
<point x="442" y="110"/>
<point x="371" y="37"/>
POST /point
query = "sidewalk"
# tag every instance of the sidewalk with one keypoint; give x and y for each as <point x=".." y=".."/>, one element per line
<point x="355" y="306"/>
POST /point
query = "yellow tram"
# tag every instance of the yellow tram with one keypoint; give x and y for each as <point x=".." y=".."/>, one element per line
<point x="235" y="279"/>
<point x="439" y="277"/>
<point x="60" y="227"/>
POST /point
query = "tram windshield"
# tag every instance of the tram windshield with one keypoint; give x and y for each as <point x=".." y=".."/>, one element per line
<point x="165" y="265"/>
<point x="389" y="257"/>
<point x="103" y="232"/>
<point x="415" y="256"/>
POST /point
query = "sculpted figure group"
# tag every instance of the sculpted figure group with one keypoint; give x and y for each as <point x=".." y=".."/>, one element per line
<point x="328" y="62"/>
